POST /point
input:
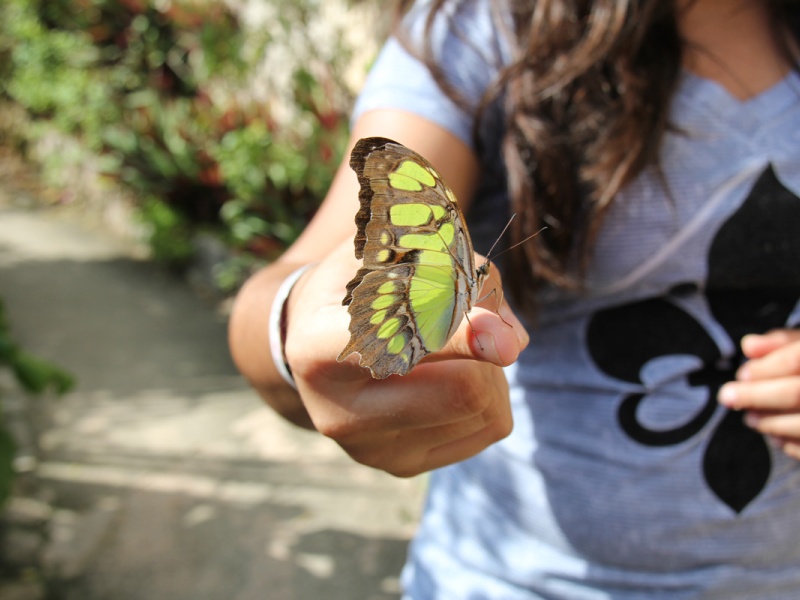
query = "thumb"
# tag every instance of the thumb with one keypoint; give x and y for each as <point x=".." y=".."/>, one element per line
<point x="487" y="336"/>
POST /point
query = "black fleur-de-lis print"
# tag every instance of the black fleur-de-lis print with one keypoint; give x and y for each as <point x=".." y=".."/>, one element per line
<point x="753" y="284"/>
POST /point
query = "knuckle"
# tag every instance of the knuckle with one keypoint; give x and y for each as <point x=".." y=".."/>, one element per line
<point x="467" y="400"/>
<point x="471" y="396"/>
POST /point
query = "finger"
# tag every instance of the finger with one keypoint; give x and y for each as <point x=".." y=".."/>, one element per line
<point x="783" y="427"/>
<point x="758" y="345"/>
<point x="780" y="395"/>
<point x="493" y="299"/>
<point x="790" y="447"/>
<point x="495" y="337"/>
<point x="776" y="355"/>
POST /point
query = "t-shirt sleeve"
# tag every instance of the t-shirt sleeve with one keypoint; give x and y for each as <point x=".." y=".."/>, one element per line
<point x="464" y="43"/>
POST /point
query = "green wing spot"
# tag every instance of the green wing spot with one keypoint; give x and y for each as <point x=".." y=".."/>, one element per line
<point x="438" y="211"/>
<point x="387" y="287"/>
<point x="435" y="258"/>
<point x="417" y="172"/>
<point x="378" y="317"/>
<point x="410" y="215"/>
<point x="404" y="183"/>
<point x="430" y="241"/>
<point x="396" y="344"/>
<point x="431" y="287"/>
<point x="432" y="297"/>
<point x="447" y="233"/>
<point x="383" y="255"/>
<point x="389" y="328"/>
<point x="422" y="241"/>
<point x="382" y="302"/>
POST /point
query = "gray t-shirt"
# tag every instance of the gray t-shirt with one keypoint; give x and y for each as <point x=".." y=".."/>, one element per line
<point x="623" y="478"/>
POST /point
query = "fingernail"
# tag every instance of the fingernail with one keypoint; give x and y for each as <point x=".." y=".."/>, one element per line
<point x="727" y="395"/>
<point x="485" y="346"/>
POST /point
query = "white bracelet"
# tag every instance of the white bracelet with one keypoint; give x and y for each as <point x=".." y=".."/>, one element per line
<point x="277" y="324"/>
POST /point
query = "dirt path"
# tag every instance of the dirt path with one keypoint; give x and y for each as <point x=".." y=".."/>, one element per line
<point x="165" y="476"/>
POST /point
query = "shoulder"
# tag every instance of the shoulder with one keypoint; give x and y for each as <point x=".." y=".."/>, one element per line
<point x="460" y="32"/>
<point x="464" y="41"/>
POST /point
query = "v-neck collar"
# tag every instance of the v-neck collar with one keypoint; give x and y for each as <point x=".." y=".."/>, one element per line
<point x="696" y="92"/>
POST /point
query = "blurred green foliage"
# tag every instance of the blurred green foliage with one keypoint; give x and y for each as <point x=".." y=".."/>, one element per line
<point x="35" y="376"/>
<point x="151" y="89"/>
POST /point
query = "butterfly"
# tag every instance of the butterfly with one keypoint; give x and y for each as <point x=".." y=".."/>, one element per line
<point x="418" y="277"/>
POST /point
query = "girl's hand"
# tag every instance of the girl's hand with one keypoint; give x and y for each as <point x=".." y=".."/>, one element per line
<point x="447" y="409"/>
<point x="768" y="387"/>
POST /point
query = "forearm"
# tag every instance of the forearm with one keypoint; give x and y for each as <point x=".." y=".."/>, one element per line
<point x="248" y="334"/>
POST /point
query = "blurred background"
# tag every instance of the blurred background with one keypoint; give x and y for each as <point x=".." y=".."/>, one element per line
<point x="153" y="153"/>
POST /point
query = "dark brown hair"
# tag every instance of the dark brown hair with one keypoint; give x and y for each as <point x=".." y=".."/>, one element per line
<point x="586" y="103"/>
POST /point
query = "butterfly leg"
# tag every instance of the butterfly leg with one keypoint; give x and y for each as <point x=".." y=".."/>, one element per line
<point x="498" y="304"/>
<point x="475" y="333"/>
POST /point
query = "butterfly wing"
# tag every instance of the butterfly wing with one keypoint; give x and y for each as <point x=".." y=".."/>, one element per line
<point x="418" y="273"/>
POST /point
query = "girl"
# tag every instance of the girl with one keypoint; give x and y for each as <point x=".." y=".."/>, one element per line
<point x="644" y="444"/>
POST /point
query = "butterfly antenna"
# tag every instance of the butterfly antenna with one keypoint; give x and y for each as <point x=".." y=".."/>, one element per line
<point x="499" y="237"/>
<point x="502" y="233"/>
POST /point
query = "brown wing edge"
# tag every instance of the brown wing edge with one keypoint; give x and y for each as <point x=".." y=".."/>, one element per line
<point x="358" y="158"/>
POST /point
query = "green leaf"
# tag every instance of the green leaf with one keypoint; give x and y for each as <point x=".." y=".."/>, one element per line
<point x="36" y="375"/>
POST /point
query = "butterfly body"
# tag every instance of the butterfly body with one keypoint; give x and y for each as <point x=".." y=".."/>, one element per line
<point x="418" y="277"/>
